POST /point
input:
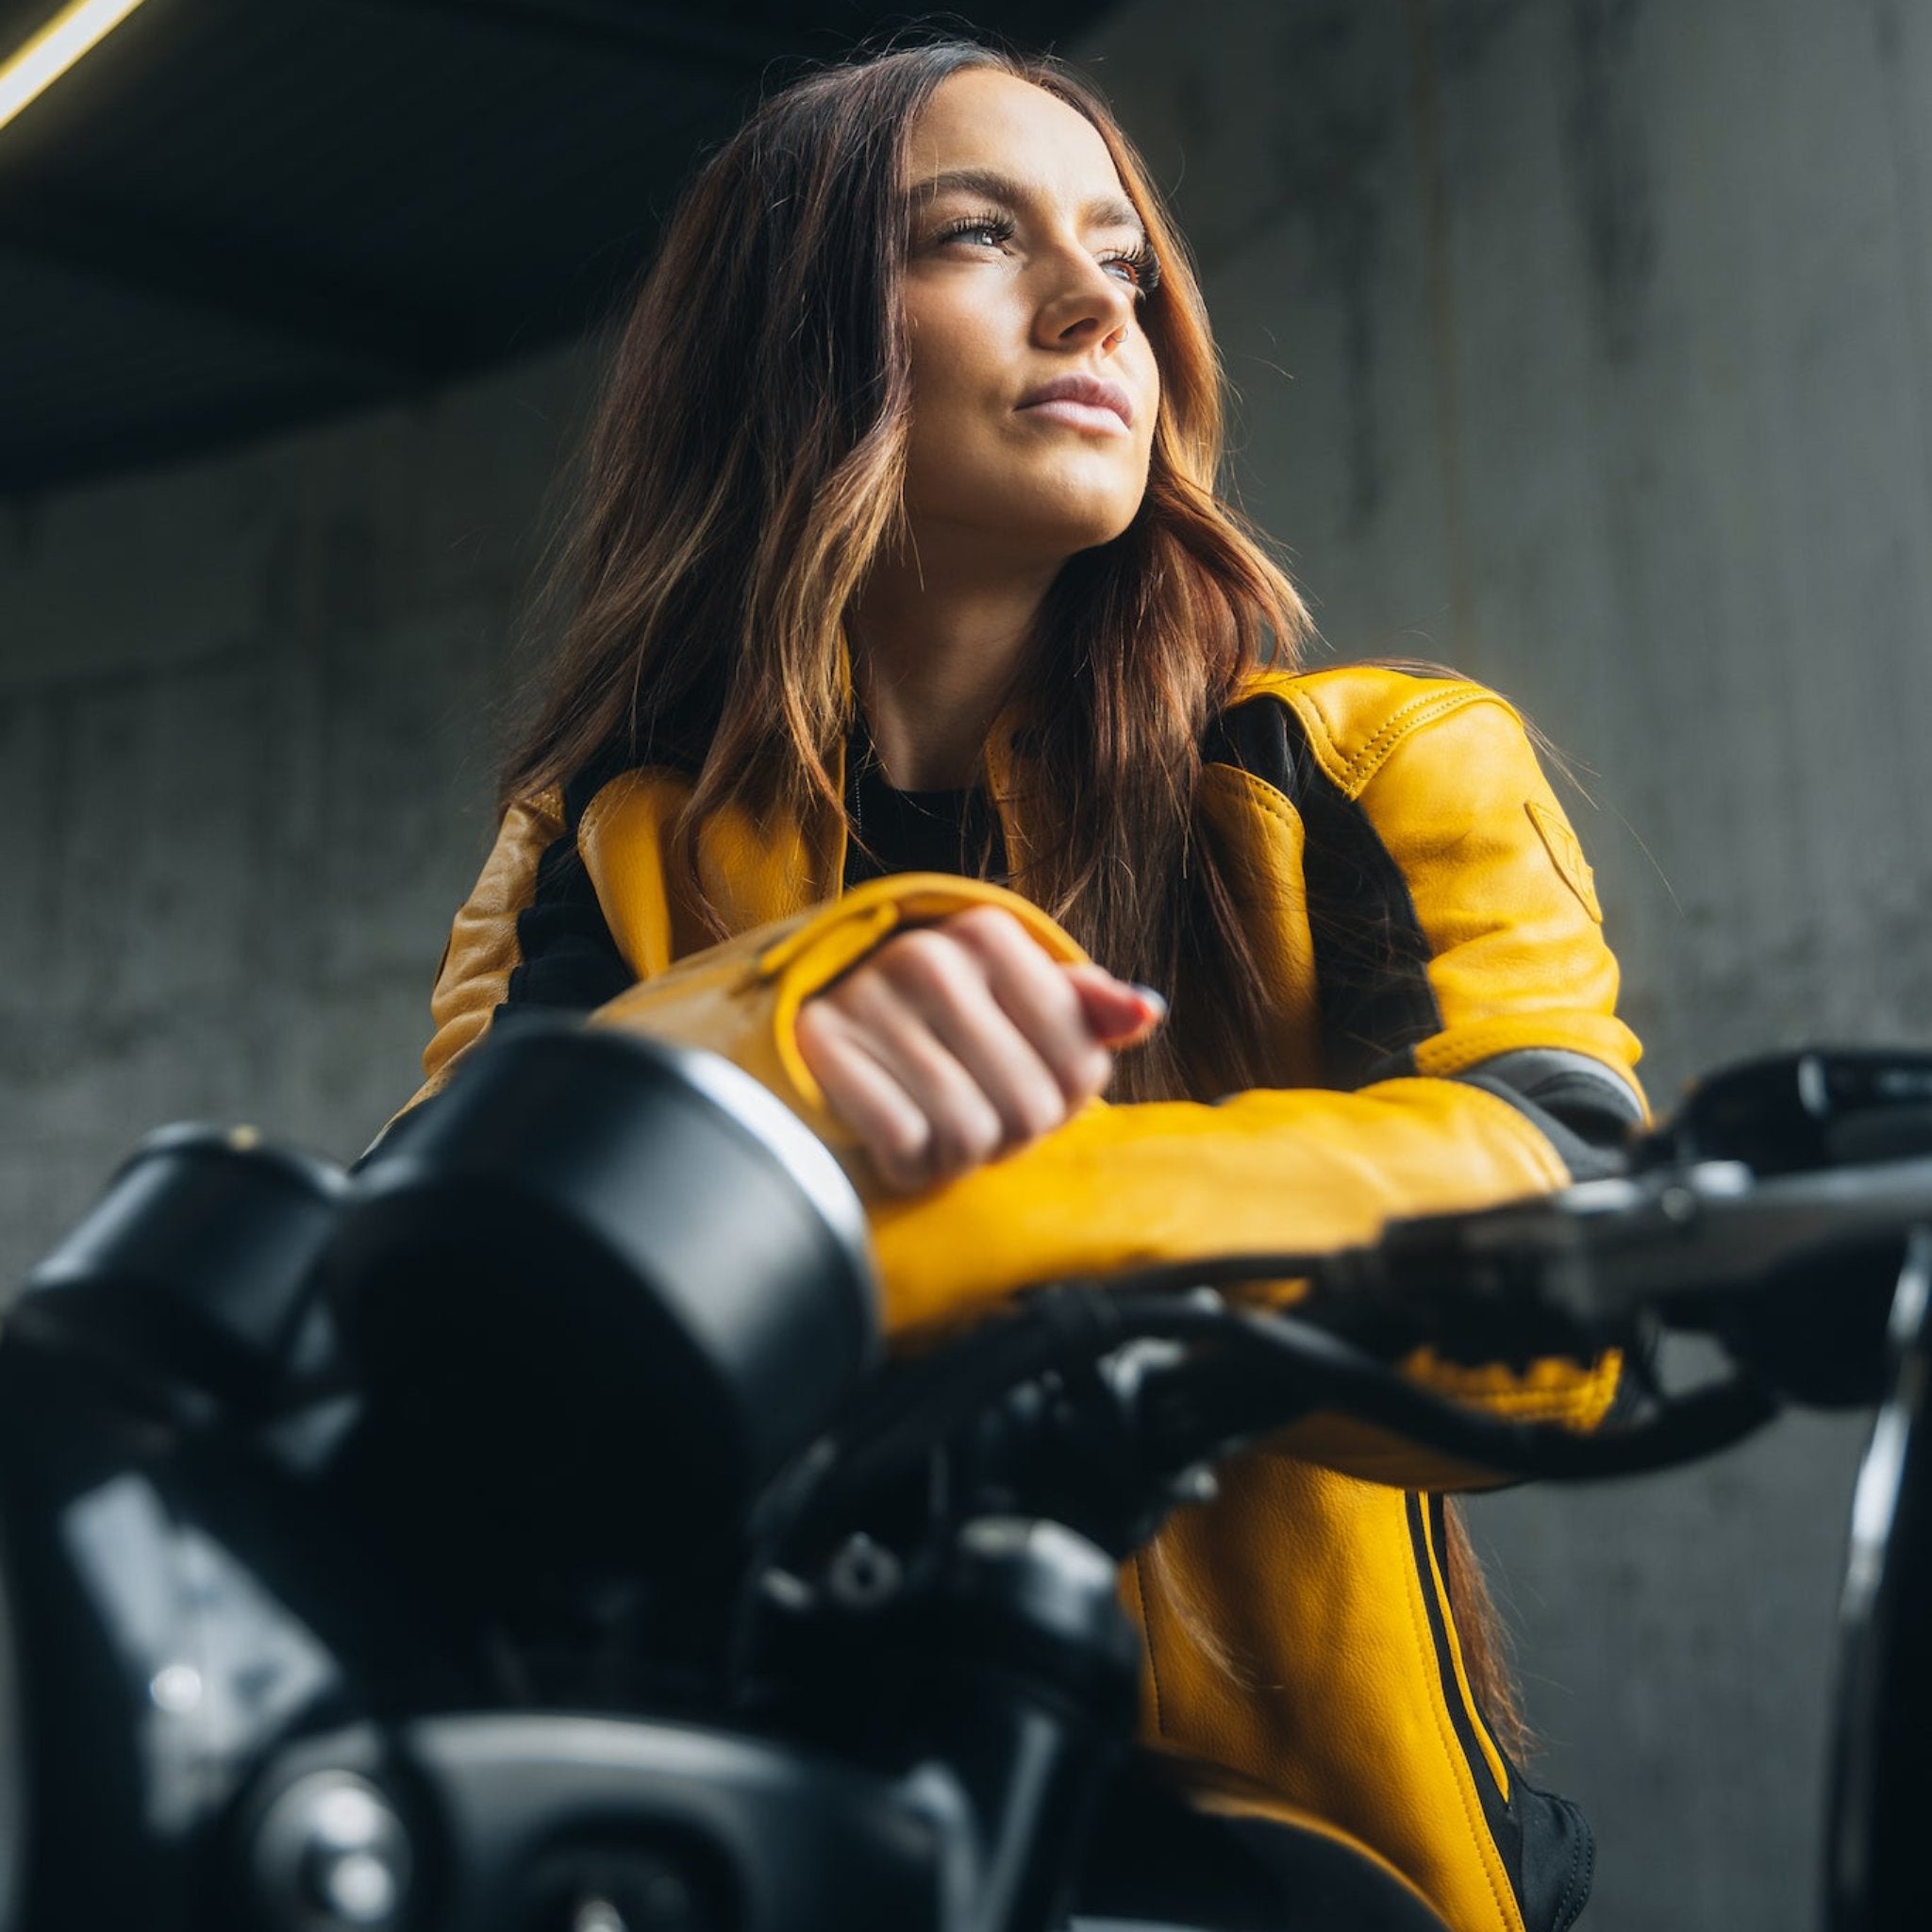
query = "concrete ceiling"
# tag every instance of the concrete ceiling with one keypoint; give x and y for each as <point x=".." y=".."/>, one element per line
<point x="236" y="215"/>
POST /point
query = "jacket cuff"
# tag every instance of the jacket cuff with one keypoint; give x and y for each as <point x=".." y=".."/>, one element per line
<point x="1574" y="1395"/>
<point x="743" y="998"/>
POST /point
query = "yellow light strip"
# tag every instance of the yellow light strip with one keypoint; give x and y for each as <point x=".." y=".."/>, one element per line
<point x="74" y="31"/>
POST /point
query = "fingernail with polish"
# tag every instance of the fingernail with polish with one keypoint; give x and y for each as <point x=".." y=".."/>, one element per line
<point x="1156" y="1000"/>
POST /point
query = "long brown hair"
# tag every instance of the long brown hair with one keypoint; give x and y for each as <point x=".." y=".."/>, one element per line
<point x="716" y="549"/>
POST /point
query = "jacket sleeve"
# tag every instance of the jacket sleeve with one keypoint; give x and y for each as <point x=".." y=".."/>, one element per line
<point x="1508" y="989"/>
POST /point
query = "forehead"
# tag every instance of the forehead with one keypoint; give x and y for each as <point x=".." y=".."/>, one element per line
<point x="983" y="121"/>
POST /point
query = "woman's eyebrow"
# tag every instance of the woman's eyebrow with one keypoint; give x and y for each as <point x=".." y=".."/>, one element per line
<point x="1104" y="212"/>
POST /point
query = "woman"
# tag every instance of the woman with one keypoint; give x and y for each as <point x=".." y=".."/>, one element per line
<point x="914" y="667"/>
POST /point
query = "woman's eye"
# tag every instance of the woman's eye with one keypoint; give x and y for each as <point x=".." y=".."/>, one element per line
<point x="991" y="230"/>
<point x="1141" y="271"/>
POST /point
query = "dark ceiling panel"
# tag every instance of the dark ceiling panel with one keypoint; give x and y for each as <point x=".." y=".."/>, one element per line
<point x="239" y="214"/>
<point x="122" y="370"/>
<point x="283" y="298"/>
<point x="728" y="40"/>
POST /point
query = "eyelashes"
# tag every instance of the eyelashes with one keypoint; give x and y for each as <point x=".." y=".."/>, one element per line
<point x="1000" y="229"/>
<point x="1145" y="264"/>
<point x="999" y="226"/>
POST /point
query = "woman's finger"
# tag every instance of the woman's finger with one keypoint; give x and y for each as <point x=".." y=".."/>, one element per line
<point x="891" y="1125"/>
<point x="1120" y="1012"/>
<point x="1041" y="998"/>
<point x="933" y="1020"/>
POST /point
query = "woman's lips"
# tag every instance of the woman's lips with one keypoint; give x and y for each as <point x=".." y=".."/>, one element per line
<point x="1096" y="417"/>
<point x="1082" y="402"/>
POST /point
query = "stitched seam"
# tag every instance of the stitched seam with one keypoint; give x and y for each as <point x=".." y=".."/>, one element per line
<point x="1582" y="1870"/>
<point x="1477" y="1040"/>
<point x="1411" y="717"/>
<point x="1269" y="799"/>
<point x="1321" y="739"/>
<point x="1353" y="772"/>
<point x="1464" y="1778"/>
<point x="1565" y="1916"/>
<point x="1342" y="766"/>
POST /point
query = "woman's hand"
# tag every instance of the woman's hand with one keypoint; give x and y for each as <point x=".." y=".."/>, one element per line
<point x="958" y="1043"/>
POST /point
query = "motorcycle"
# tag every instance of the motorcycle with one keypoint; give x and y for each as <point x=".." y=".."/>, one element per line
<point x="525" y="1530"/>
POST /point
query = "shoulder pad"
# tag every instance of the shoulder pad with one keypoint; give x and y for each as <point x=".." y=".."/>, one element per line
<point x="1353" y="716"/>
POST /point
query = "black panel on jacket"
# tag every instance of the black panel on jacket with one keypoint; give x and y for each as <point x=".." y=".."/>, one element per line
<point x="569" y="959"/>
<point x="1587" y="1096"/>
<point x="1559" y="1859"/>
<point x="1370" y="954"/>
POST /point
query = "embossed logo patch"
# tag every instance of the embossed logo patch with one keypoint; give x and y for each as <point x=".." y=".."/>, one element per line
<point x="1566" y="854"/>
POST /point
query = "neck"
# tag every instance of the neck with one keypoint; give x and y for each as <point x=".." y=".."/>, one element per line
<point x="937" y="652"/>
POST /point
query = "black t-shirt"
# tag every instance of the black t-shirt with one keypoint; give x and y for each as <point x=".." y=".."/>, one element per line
<point x="893" y="831"/>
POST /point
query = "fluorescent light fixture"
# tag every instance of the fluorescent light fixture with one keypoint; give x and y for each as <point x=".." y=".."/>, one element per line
<point x="71" y="33"/>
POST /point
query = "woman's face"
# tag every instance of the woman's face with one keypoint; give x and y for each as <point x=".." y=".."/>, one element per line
<point x="1033" y="386"/>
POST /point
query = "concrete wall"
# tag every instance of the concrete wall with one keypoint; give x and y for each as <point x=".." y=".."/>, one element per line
<point x="1582" y="344"/>
<point x="246" y="717"/>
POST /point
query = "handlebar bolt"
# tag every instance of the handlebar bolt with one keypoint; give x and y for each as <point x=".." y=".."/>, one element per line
<point x="331" y="1853"/>
<point x="862" y="1575"/>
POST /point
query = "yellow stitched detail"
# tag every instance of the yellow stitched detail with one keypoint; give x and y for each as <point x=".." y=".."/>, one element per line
<point x="1411" y="718"/>
<point x="1321" y="739"/>
<point x="1468" y="1043"/>
<point x="1269" y="799"/>
<point x="1352" y="771"/>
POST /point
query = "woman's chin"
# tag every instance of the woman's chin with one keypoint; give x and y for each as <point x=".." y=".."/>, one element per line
<point x="1062" y="519"/>
<point x="1027" y="520"/>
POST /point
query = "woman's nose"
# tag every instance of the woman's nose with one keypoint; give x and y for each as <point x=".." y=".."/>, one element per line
<point x="1092" y="303"/>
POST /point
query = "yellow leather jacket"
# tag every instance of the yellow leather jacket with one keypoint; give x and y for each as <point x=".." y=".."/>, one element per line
<point x="1445" y="1032"/>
